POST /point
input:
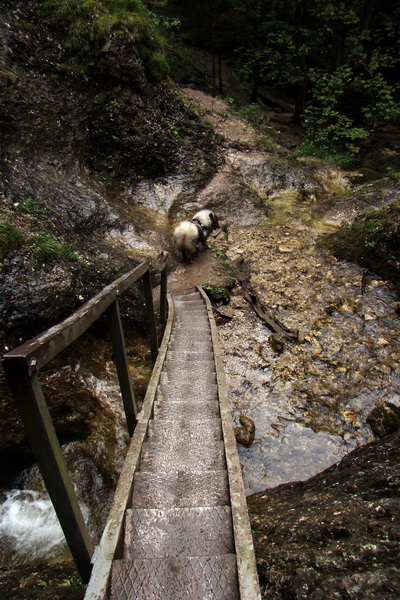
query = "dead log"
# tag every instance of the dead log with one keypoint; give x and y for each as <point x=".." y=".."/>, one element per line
<point x="261" y="311"/>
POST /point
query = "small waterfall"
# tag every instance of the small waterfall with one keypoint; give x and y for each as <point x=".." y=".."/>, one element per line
<point x="29" y="528"/>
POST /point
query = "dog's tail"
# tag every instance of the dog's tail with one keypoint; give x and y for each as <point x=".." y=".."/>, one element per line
<point x="187" y="247"/>
<point x="186" y="237"/>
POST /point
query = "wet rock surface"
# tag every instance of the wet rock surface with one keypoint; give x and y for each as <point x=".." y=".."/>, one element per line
<point x="246" y="432"/>
<point x="112" y="171"/>
<point x="310" y="400"/>
<point x="336" y="535"/>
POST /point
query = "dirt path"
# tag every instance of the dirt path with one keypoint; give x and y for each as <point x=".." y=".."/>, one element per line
<point x="207" y="268"/>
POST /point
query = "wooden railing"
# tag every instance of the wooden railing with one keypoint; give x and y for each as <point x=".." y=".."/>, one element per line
<point x="22" y="365"/>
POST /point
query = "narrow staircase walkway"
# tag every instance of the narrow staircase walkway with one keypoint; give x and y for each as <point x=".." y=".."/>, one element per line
<point x="179" y="534"/>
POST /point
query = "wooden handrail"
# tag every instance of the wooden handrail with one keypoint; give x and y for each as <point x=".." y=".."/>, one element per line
<point x="21" y="366"/>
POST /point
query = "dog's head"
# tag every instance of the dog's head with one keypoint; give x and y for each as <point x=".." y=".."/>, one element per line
<point x="207" y="219"/>
<point x="214" y="221"/>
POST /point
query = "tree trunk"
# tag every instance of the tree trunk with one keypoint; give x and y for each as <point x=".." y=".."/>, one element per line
<point x="367" y="14"/>
<point x="220" y="90"/>
<point x="301" y="86"/>
<point x="255" y="78"/>
<point x="213" y="62"/>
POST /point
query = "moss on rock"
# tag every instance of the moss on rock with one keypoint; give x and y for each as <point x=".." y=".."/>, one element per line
<point x="372" y="240"/>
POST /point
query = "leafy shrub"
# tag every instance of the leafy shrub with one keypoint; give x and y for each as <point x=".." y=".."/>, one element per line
<point x="327" y="121"/>
<point x="325" y="125"/>
<point x="325" y="152"/>
<point x="10" y="238"/>
<point x="49" y="250"/>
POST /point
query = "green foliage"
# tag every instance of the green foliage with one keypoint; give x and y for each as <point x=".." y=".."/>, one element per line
<point x="30" y="206"/>
<point x="184" y="64"/>
<point x="251" y="113"/>
<point x="170" y="129"/>
<point x="88" y="24"/>
<point x="46" y="249"/>
<point x="338" y="61"/>
<point x="325" y="152"/>
<point x="371" y="228"/>
<point x="325" y="125"/>
<point x="216" y="293"/>
<point x="382" y="103"/>
<point x="10" y="238"/>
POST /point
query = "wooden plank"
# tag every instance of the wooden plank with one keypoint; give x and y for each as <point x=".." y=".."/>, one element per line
<point x="246" y="561"/>
<point x="121" y="362"/>
<point x="148" y="293"/>
<point x="42" y="348"/>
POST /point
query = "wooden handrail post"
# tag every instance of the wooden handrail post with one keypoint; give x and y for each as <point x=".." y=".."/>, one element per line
<point x="163" y="297"/>
<point x="121" y="362"/>
<point x="32" y="407"/>
<point x="150" y="315"/>
<point x="21" y="366"/>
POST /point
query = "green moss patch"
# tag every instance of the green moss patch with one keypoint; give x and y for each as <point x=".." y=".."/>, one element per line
<point x="372" y="240"/>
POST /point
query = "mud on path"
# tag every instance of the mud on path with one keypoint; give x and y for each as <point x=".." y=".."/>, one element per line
<point x="206" y="269"/>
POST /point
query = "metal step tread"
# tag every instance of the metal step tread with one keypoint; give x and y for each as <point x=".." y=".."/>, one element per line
<point x="188" y="317"/>
<point x="192" y="371"/>
<point x="193" y="300"/>
<point x="191" y="345"/>
<point x="176" y="578"/>
<point x="181" y="382"/>
<point x="180" y="489"/>
<point x="200" y="354"/>
<point x="182" y="457"/>
<point x="180" y="408"/>
<point x="199" y="389"/>
<point x="186" y="396"/>
<point x="198" y="531"/>
<point x="204" y="430"/>
<point x="206" y="362"/>
<point x="184" y="374"/>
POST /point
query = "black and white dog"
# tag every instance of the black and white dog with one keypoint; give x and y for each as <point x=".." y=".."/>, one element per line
<point x="189" y="234"/>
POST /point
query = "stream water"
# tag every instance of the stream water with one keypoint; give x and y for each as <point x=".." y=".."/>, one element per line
<point x="29" y="528"/>
<point x="311" y="400"/>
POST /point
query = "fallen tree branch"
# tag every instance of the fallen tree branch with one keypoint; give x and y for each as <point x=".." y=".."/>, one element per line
<point x="261" y="311"/>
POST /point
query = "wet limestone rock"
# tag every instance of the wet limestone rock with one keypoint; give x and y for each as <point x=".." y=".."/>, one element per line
<point x="384" y="419"/>
<point x="277" y="342"/>
<point x="336" y="535"/>
<point x="246" y="433"/>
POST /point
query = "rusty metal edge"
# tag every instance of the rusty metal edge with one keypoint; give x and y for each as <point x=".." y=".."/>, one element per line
<point x="249" y="586"/>
<point x="104" y="554"/>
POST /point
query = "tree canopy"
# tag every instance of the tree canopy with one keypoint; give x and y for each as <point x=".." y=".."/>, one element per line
<point x="338" y="61"/>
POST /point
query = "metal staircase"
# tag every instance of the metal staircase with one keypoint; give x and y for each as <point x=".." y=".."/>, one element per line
<point x="178" y="527"/>
<point x="185" y="533"/>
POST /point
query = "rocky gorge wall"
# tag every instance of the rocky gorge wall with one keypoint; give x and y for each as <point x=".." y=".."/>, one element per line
<point x="109" y="164"/>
